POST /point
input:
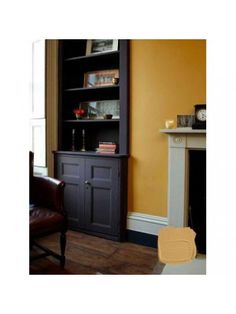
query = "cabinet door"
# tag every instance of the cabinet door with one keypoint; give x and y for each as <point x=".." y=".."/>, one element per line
<point x="102" y="195"/>
<point x="71" y="170"/>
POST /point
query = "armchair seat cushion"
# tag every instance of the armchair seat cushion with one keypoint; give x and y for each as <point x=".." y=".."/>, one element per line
<point x="43" y="221"/>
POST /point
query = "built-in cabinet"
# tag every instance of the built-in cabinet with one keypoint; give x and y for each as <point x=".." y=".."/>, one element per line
<point x="95" y="194"/>
<point x="96" y="182"/>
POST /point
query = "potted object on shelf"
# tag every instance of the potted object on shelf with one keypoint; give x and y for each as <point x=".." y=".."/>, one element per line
<point x="79" y="113"/>
<point x="115" y="80"/>
<point x="169" y="124"/>
<point x="108" y="116"/>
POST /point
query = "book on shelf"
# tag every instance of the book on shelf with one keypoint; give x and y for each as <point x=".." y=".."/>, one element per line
<point x="107" y="143"/>
<point x="106" y="148"/>
<point x="105" y="152"/>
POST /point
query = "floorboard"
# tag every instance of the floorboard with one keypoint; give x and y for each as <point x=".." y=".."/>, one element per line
<point x="87" y="254"/>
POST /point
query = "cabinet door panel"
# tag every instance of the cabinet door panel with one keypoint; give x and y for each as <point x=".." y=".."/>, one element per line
<point x="102" y="195"/>
<point x="71" y="204"/>
<point x="71" y="171"/>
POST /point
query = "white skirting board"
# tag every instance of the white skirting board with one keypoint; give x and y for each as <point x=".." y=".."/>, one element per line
<point x="145" y="223"/>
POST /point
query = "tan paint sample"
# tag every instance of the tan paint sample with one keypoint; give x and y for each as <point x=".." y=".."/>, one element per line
<point x="176" y="245"/>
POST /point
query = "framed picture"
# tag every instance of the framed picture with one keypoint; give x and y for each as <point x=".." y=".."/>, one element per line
<point x="101" y="109"/>
<point x="100" y="78"/>
<point x="101" y="45"/>
<point x="185" y="121"/>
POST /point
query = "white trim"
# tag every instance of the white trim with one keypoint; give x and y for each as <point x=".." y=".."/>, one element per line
<point x="178" y="172"/>
<point x="38" y="80"/>
<point x="182" y="130"/>
<point x="38" y="139"/>
<point x="40" y="171"/>
<point x="145" y="223"/>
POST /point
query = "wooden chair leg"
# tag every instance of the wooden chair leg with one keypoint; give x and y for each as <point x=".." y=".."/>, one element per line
<point x="63" y="246"/>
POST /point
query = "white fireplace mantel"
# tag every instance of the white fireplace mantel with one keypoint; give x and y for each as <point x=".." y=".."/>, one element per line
<point x="180" y="141"/>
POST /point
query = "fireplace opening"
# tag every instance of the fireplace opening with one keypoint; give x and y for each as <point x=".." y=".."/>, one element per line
<point x="197" y="197"/>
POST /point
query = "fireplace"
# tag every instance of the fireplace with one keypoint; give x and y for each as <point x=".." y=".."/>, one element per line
<point x="183" y="145"/>
<point x="197" y="197"/>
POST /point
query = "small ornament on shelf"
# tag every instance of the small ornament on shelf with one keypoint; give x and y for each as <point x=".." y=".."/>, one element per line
<point x="185" y="121"/>
<point x="169" y="124"/>
<point x="107" y="116"/>
<point x="115" y="80"/>
<point x="79" y="113"/>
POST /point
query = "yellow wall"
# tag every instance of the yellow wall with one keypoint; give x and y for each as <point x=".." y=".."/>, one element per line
<point x="167" y="77"/>
<point x="51" y="101"/>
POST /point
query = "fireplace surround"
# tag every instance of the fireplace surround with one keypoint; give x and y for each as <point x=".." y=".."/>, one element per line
<point x="180" y="141"/>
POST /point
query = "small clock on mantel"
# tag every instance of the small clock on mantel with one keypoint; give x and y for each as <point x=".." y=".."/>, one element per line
<point x="200" y="117"/>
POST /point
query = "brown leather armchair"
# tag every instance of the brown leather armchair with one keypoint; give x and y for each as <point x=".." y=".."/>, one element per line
<point x="47" y="215"/>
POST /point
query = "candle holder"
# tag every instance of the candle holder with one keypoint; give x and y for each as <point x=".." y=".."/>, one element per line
<point x="169" y="124"/>
<point x="83" y="141"/>
<point x="73" y="140"/>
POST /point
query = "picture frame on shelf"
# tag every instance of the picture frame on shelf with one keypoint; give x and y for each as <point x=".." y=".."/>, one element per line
<point x="94" y="46"/>
<point x="101" y="109"/>
<point x="100" y="78"/>
<point x="185" y="121"/>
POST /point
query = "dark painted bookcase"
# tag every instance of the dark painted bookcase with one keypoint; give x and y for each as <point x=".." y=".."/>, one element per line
<point x="96" y="183"/>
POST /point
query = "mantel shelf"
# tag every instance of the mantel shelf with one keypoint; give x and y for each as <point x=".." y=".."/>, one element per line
<point x="182" y="130"/>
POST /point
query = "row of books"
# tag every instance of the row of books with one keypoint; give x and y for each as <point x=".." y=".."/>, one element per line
<point x="106" y="148"/>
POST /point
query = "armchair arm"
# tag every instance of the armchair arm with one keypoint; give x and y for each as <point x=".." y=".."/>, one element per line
<point x="48" y="192"/>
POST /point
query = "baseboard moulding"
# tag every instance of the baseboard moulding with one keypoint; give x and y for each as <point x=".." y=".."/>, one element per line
<point x="144" y="229"/>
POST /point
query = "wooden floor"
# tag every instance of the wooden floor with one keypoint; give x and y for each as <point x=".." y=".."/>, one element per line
<point x="87" y="254"/>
